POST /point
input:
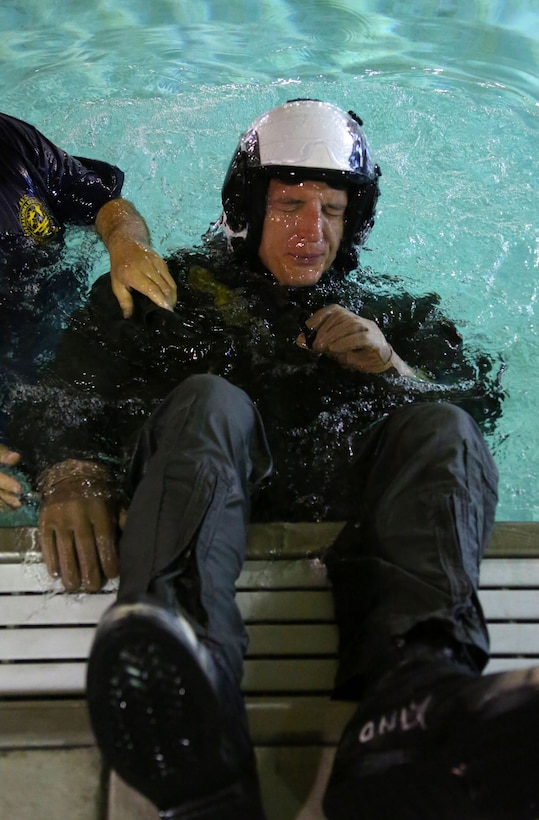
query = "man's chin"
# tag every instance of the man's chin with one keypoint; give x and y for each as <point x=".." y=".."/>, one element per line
<point x="300" y="277"/>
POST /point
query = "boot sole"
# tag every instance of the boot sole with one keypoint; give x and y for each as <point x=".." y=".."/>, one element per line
<point x="153" y="709"/>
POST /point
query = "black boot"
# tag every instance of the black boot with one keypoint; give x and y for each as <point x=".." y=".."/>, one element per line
<point x="169" y="717"/>
<point x="434" y="741"/>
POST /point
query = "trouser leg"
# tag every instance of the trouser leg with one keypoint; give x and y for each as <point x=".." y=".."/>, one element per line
<point x="193" y="469"/>
<point x="409" y="564"/>
<point x="167" y="709"/>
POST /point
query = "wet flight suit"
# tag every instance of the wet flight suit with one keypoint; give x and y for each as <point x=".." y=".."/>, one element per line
<point x="398" y="459"/>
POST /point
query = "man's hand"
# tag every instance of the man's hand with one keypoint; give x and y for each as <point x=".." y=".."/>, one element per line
<point x="10" y="488"/>
<point x="78" y="525"/>
<point x="134" y="265"/>
<point x="354" y="342"/>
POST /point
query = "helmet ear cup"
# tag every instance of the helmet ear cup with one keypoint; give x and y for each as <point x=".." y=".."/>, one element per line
<point x="362" y="212"/>
<point x="234" y="193"/>
<point x="359" y="220"/>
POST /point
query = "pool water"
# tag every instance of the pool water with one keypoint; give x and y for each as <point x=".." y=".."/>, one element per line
<point x="448" y="91"/>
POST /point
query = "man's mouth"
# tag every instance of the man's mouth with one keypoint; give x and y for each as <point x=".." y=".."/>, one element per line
<point x="307" y="259"/>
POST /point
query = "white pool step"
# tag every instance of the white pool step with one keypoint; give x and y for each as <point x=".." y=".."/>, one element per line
<point x="45" y="636"/>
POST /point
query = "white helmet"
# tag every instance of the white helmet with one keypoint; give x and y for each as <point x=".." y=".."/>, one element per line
<point x="302" y="139"/>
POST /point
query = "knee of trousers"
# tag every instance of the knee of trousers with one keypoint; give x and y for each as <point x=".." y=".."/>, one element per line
<point x="440" y="416"/>
<point x="210" y="389"/>
<point x="213" y="415"/>
<point x="447" y="421"/>
<point x="204" y="416"/>
<point x="211" y="396"/>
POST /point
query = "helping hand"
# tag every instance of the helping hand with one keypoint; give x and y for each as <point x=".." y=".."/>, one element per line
<point x="78" y="525"/>
<point x="136" y="266"/>
<point x="10" y="488"/>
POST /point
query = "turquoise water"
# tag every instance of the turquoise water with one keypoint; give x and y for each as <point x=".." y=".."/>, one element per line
<point x="449" y="95"/>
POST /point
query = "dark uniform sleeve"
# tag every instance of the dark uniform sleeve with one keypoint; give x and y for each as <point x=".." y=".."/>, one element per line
<point x="430" y="342"/>
<point x="418" y="331"/>
<point x="75" y="187"/>
<point x="425" y="338"/>
<point x="86" y="185"/>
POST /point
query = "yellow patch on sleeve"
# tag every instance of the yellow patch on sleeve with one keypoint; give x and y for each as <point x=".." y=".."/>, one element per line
<point x="36" y="220"/>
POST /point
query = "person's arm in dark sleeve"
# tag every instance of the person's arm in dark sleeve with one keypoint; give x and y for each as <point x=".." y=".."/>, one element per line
<point x="408" y="341"/>
<point x="452" y="370"/>
<point x="84" y="191"/>
<point x="78" y="514"/>
<point x="134" y="264"/>
<point x="429" y="340"/>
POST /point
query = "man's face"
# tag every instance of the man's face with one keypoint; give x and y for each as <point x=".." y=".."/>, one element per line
<point x="302" y="230"/>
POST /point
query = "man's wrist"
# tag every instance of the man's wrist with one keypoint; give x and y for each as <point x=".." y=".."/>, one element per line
<point x="70" y="469"/>
<point x="398" y="366"/>
<point x="119" y="221"/>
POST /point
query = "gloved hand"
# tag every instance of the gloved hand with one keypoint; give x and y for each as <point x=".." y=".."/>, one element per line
<point x="10" y="488"/>
<point x="353" y="341"/>
<point x="134" y="264"/>
<point x="78" y="524"/>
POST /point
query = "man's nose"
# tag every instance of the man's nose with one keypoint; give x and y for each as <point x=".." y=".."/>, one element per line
<point x="310" y="223"/>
